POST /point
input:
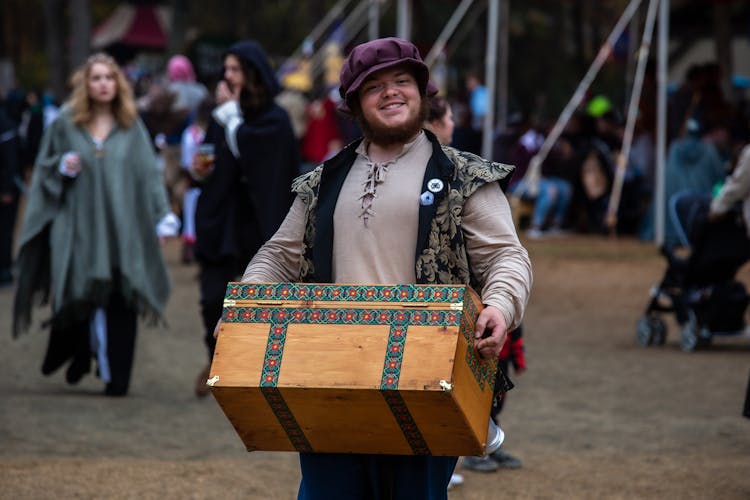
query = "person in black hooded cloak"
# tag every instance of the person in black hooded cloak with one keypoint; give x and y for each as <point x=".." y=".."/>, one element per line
<point x="246" y="192"/>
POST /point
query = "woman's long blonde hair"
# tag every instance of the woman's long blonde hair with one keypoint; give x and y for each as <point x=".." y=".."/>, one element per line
<point x="123" y="105"/>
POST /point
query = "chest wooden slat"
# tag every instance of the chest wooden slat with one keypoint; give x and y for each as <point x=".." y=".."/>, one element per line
<point x="353" y="368"/>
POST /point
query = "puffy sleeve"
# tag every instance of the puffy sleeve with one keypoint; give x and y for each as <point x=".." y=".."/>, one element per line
<point x="280" y="257"/>
<point x="498" y="260"/>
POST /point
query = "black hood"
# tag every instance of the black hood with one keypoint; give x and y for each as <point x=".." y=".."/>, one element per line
<point x="251" y="52"/>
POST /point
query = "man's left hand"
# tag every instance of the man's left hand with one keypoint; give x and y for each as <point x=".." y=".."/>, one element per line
<point x="490" y="319"/>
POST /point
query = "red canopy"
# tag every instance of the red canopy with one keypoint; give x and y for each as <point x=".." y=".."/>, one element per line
<point x="143" y="26"/>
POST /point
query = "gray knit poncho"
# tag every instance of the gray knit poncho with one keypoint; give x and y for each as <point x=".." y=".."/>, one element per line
<point x="83" y="236"/>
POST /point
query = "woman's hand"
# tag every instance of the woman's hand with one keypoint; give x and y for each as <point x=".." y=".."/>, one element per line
<point x="71" y="164"/>
<point x="224" y="93"/>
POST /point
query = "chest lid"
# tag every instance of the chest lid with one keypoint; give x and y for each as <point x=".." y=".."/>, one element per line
<point x="355" y="296"/>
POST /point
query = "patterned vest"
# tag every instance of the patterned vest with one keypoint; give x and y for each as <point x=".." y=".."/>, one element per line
<point x="440" y="256"/>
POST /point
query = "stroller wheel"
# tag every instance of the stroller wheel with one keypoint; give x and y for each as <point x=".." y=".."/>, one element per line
<point x="704" y="338"/>
<point x="651" y="330"/>
<point x="660" y="332"/>
<point x="690" y="333"/>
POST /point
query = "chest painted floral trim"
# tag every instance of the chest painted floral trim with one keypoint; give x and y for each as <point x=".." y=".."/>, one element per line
<point x="348" y="293"/>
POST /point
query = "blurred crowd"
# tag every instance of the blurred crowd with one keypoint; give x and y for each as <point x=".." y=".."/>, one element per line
<point x="706" y="131"/>
<point x="704" y="126"/>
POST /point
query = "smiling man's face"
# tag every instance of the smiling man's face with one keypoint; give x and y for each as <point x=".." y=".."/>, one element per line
<point x="391" y="106"/>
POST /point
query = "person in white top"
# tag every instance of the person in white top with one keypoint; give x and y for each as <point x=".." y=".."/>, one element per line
<point x="736" y="188"/>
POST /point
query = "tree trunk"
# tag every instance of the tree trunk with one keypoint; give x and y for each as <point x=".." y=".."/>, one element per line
<point x="176" y="43"/>
<point x="723" y="42"/>
<point x="53" y="13"/>
<point x="244" y="20"/>
<point x="584" y="36"/>
<point x="80" y="32"/>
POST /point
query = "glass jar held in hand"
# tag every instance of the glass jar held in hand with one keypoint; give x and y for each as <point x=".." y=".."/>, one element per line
<point x="203" y="162"/>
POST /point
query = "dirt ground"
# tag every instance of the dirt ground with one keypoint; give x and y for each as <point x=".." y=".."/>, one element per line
<point x="596" y="416"/>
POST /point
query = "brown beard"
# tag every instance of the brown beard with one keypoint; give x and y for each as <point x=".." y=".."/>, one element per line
<point x="388" y="136"/>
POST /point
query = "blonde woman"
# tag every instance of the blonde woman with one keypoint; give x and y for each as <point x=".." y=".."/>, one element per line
<point x="90" y="238"/>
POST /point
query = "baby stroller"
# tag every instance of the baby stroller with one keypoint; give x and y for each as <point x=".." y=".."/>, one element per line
<point x="699" y="288"/>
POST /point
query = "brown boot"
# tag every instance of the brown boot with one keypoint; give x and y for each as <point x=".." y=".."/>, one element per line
<point x="201" y="388"/>
<point x="188" y="252"/>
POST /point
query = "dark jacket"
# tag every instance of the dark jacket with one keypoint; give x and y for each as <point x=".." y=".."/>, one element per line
<point x="10" y="169"/>
<point x="245" y="199"/>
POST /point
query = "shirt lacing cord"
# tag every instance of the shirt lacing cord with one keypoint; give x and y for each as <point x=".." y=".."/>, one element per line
<point x="375" y="175"/>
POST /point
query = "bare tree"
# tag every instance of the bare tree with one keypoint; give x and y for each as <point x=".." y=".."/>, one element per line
<point x="178" y="29"/>
<point x="53" y="12"/>
<point x="80" y="32"/>
<point x="723" y="38"/>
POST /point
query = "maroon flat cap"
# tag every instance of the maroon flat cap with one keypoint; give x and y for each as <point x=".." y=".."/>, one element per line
<point x="369" y="57"/>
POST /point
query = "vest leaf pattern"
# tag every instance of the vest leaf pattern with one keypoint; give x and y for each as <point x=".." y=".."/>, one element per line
<point x="306" y="187"/>
<point x="444" y="259"/>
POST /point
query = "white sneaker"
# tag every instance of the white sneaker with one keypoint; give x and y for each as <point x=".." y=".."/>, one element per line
<point x="456" y="480"/>
<point x="535" y="234"/>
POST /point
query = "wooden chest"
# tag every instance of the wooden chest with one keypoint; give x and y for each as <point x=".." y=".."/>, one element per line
<point x="353" y="368"/>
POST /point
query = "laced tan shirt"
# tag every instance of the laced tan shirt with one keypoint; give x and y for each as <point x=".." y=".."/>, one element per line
<point x="375" y="233"/>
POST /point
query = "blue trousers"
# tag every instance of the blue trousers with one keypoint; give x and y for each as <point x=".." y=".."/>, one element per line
<point x="326" y="476"/>
<point x="552" y="200"/>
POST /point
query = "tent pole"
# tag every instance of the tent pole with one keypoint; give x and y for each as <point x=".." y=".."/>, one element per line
<point x="534" y="171"/>
<point x="403" y="19"/>
<point x="488" y="127"/>
<point x="661" y="122"/>
<point x="447" y="32"/>
<point x="635" y="97"/>
<point x="373" y="28"/>
<point x="350" y="27"/>
<point x="321" y="27"/>
<point x="502" y="67"/>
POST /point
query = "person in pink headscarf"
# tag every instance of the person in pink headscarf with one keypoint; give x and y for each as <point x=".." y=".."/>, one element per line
<point x="188" y="92"/>
<point x="184" y="95"/>
<point x="180" y="69"/>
